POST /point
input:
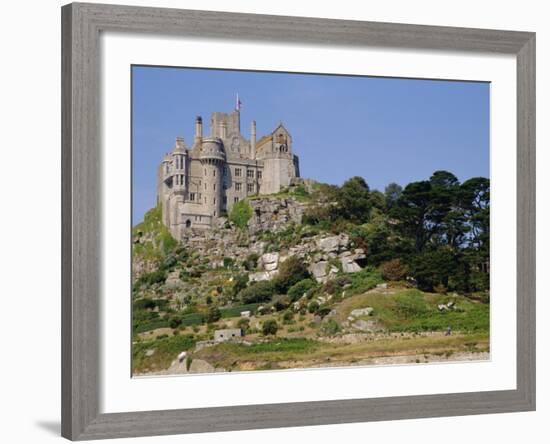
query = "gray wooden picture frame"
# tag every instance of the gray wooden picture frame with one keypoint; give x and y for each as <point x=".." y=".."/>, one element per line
<point x="81" y="174"/>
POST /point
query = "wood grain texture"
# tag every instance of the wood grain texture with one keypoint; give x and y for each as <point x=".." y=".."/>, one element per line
<point x="81" y="230"/>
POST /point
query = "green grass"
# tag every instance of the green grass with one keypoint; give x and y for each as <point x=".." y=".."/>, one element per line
<point x="162" y="241"/>
<point x="415" y="311"/>
<point x="166" y="350"/>
<point x="234" y="312"/>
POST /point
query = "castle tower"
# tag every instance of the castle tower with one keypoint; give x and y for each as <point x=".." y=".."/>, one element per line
<point x="179" y="156"/>
<point x="212" y="159"/>
<point x="280" y="164"/>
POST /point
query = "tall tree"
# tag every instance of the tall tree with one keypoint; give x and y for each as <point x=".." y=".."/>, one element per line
<point x="393" y="193"/>
<point x="354" y="200"/>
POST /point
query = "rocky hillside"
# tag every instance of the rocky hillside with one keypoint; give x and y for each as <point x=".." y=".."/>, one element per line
<point x="291" y="293"/>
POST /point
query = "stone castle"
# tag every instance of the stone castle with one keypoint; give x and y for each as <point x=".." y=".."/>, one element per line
<point x="199" y="184"/>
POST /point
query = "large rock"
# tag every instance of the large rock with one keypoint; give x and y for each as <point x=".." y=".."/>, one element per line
<point x="362" y="311"/>
<point x="322" y="271"/>
<point x="349" y="265"/>
<point x="262" y="276"/>
<point x="269" y="261"/>
<point x="333" y="244"/>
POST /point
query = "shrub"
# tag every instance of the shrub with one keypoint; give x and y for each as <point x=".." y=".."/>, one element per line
<point x="331" y="327"/>
<point x="228" y="262"/>
<point x="291" y="271"/>
<point x="281" y="303"/>
<point x="288" y="316"/>
<point x="175" y="322"/>
<point x="241" y="212"/>
<point x="394" y="270"/>
<point x="155" y="277"/>
<point x="244" y="324"/>
<point x="270" y="327"/>
<point x="251" y="262"/>
<point x="214" y="315"/>
<point x="299" y="288"/>
<point x="313" y="306"/>
<point x="257" y="292"/>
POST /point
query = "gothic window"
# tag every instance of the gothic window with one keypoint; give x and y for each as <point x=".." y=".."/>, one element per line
<point x="259" y="174"/>
<point x="235" y="199"/>
<point x="238" y="186"/>
<point x="238" y="172"/>
<point x="192" y="197"/>
<point x="250" y="174"/>
<point x="250" y="187"/>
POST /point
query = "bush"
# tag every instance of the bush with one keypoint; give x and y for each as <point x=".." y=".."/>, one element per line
<point x="251" y="262"/>
<point x="214" y="315"/>
<point x="228" y="262"/>
<point x="313" y="306"/>
<point x="270" y="327"/>
<point x="394" y="270"/>
<point x="175" y="322"/>
<point x="299" y="288"/>
<point x="257" y="292"/>
<point x="241" y="212"/>
<point x="155" y="277"/>
<point x="331" y="328"/>
<point x="291" y="271"/>
<point x="244" y="324"/>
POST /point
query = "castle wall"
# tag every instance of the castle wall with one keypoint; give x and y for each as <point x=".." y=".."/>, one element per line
<point x="277" y="174"/>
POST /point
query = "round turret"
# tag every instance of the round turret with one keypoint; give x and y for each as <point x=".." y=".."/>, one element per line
<point x="212" y="148"/>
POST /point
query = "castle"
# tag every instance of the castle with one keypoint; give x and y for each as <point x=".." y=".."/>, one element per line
<point x="197" y="185"/>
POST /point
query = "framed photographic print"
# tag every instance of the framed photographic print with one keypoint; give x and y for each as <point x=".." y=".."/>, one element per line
<point x="278" y="221"/>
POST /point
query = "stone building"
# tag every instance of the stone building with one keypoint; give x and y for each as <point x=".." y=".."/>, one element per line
<point x="198" y="184"/>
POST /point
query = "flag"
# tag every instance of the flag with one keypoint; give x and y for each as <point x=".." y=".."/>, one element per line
<point x="238" y="103"/>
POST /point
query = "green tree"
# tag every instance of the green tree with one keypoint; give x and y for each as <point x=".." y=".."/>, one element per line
<point x="354" y="200"/>
<point x="392" y="194"/>
<point x="240" y="214"/>
<point x="270" y="327"/>
<point x="291" y="271"/>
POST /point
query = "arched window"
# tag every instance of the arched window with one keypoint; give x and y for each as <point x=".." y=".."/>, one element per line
<point x="187" y="223"/>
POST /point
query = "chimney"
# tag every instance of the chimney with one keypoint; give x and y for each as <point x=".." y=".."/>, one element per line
<point x="198" y="129"/>
<point x="253" y="139"/>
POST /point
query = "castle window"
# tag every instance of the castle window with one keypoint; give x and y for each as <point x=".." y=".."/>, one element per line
<point x="214" y="172"/>
<point x="250" y="174"/>
<point x="235" y="199"/>
<point x="214" y="201"/>
<point x="238" y="172"/>
<point x="204" y="199"/>
<point x="259" y="174"/>
<point x="205" y="187"/>
<point x="205" y="172"/>
<point x="238" y="186"/>
<point x="250" y="187"/>
<point x="214" y="187"/>
<point x="192" y="197"/>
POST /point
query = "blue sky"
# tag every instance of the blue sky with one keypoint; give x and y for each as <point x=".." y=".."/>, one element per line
<point x="383" y="129"/>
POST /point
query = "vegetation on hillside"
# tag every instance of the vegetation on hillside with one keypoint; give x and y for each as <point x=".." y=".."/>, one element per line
<point x="425" y="274"/>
